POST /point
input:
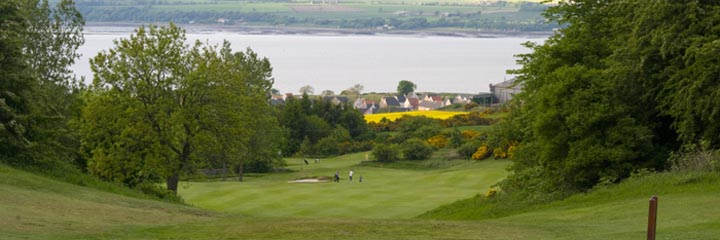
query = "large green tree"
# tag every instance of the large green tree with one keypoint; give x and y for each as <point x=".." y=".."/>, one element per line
<point x="174" y="105"/>
<point x="615" y="90"/>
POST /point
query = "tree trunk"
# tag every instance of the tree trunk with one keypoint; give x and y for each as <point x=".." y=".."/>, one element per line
<point x="240" y="172"/>
<point x="224" y="171"/>
<point x="172" y="182"/>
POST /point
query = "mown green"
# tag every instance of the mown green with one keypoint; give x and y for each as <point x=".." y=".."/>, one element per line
<point x="384" y="192"/>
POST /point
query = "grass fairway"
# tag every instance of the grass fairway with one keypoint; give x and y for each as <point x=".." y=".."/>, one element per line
<point x="384" y="193"/>
<point x="36" y="207"/>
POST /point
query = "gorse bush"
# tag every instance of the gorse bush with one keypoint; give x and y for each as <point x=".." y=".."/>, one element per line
<point x="481" y="153"/>
<point x="470" y="134"/>
<point x="438" y="141"/>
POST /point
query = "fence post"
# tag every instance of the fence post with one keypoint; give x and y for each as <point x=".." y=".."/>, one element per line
<point x="652" y="218"/>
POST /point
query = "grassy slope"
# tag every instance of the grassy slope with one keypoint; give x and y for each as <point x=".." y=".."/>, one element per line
<point x="43" y="208"/>
<point x="689" y="208"/>
<point x="385" y="192"/>
<point x="34" y="207"/>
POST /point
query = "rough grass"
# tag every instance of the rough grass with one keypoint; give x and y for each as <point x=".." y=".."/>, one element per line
<point x="689" y="208"/>
<point x="43" y="208"/>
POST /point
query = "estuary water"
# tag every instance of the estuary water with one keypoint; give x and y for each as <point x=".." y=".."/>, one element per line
<point x="435" y="64"/>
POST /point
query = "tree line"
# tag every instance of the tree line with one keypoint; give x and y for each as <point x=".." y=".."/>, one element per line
<point x="620" y="89"/>
<point x="319" y="127"/>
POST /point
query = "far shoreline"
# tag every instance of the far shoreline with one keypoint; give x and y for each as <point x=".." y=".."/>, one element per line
<point x="128" y="27"/>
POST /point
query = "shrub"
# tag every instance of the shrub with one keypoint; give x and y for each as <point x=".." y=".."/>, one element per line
<point x="471" y="106"/>
<point x="481" y="153"/>
<point x="491" y="192"/>
<point x="470" y="119"/>
<point x="327" y="146"/>
<point x="694" y="158"/>
<point x="386" y="152"/>
<point x="470" y="134"/>
<point x="468" y="149"/>
<point x="438" y="141"/>
<point x="511" y="150"/>
<point x="418" y="127"/>
<point x="416" y="149"/>
<point x="498" y="152"/>
<point x="159" y="192"/>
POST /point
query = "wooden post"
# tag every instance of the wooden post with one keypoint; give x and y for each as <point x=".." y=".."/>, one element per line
<point x="652" y="218"/>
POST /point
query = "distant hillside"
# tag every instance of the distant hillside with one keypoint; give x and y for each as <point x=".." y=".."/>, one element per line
<point x="491" y="16"/>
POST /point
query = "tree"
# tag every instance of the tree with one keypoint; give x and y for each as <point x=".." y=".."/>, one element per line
<point x="327" y="93"/>
<point x="616" y="90"/>
<point x="38" y="96"/>
<point x="405" y="87"/>
<point x="15" y="87"/>
<point x="577" y="129"/>
<point x="354" y="91"/>
<point x="307" y="89"/>
<point x="293" y="119"/>
<point x="354" y="121"/>
<point x="52" y="39"/>
<point x="54" y="35"/>
<point x="174" y="103"/>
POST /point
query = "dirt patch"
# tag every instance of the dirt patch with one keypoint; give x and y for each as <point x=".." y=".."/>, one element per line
<point x="323" y="8"/>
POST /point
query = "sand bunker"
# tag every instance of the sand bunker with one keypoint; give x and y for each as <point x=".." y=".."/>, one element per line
<point x="311" y="180"/>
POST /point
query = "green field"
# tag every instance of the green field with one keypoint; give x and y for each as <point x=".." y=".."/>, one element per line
<point x="382" y="207"/>
<point x="384" y="192"/>
<point x="446" y="15"/>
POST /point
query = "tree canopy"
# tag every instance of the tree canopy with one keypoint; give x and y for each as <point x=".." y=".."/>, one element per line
<point x="614" y="91"/>
<point x="15" y="87"/>
<point x="405" y="87"/>
<point x="38" y="93"/>
<point x="172" y="106"/>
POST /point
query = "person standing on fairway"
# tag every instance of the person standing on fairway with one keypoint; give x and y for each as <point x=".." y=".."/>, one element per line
<point x="351" y="173"/>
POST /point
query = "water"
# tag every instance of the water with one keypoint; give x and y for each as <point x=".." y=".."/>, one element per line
<point x="435" y="64"/>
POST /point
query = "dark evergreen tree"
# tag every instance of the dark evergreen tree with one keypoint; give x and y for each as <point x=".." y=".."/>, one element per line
<point x="16" y="87"/>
